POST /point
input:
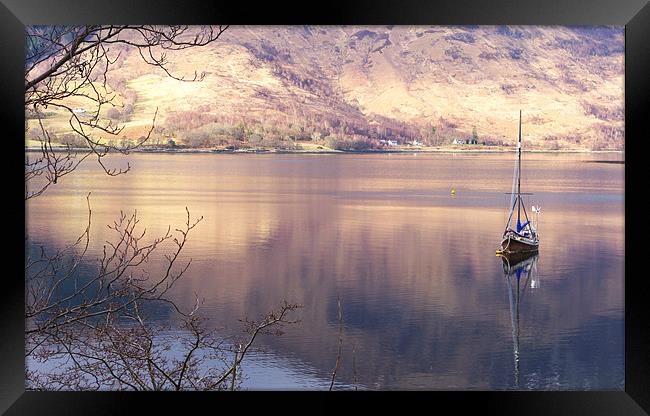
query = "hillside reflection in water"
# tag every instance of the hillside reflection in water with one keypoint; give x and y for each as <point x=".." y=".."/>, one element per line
<point x="425" y="301"/>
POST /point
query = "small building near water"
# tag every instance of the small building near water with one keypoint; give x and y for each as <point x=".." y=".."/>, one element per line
<point x="468" y="141"/>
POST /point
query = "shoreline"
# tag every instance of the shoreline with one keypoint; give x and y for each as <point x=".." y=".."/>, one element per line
<point x="330" y="151"/>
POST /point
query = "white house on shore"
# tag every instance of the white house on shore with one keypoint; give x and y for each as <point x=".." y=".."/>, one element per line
<point x="468" y="141"/>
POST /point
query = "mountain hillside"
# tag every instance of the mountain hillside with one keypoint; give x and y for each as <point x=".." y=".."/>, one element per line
<point x="284" y="85"/>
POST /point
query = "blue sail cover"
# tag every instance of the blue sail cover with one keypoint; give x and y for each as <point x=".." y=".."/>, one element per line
<point x="521" y="226"/>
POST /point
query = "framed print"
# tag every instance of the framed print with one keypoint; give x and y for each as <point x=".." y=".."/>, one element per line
<point x="440" y="200"/>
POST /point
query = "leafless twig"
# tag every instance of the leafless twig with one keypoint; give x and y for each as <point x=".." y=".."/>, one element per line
<point x="91" y="327"/>
<point x="66" y="64"/>
<point x="338" y="355"/>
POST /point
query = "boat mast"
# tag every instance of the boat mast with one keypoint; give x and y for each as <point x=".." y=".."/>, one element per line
<point x="519" y="173"/>
<point x="516" y="183"/>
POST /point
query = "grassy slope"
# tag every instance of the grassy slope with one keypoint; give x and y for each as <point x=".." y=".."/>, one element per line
<point x="420" y="76"/>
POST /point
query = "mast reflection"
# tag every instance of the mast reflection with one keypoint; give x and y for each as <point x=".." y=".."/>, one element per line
<point x="516" y="266"/>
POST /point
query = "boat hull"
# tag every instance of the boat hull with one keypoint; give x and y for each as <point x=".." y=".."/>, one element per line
<point x="511" y="244"/>
<point x="514" y="261"/>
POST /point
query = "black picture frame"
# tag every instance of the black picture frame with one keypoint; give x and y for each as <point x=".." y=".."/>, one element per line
<point x="633" y="14"/>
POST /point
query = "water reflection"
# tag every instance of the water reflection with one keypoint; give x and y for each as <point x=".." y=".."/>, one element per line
<point x="516" y="265"/>
<point x="423" y="303"/>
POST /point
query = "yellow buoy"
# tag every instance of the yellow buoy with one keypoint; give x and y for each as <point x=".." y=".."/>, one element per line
<point x="453" y="191"/>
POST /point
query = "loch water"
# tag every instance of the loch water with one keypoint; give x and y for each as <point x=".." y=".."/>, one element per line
<point x="426" y="304"/>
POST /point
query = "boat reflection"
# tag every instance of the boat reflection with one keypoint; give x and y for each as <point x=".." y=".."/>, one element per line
<point x="516" y="266"/>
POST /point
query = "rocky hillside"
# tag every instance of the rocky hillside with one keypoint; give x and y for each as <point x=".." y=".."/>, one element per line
<point x="290" y="84"/>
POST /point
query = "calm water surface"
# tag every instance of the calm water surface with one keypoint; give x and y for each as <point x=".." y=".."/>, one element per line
<point x="426" y="304"/>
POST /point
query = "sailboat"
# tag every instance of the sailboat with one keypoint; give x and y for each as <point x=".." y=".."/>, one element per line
<point x="518" y="237"/>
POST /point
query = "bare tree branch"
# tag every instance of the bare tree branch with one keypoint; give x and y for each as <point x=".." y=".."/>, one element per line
<point x="91" y="327"/>
<point x="70" y="63"/>
<point x="87" y="318"/>
<point x="338" y="355"/>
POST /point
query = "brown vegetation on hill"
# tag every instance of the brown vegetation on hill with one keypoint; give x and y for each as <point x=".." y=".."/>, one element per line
<point x="355" y="88"/>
